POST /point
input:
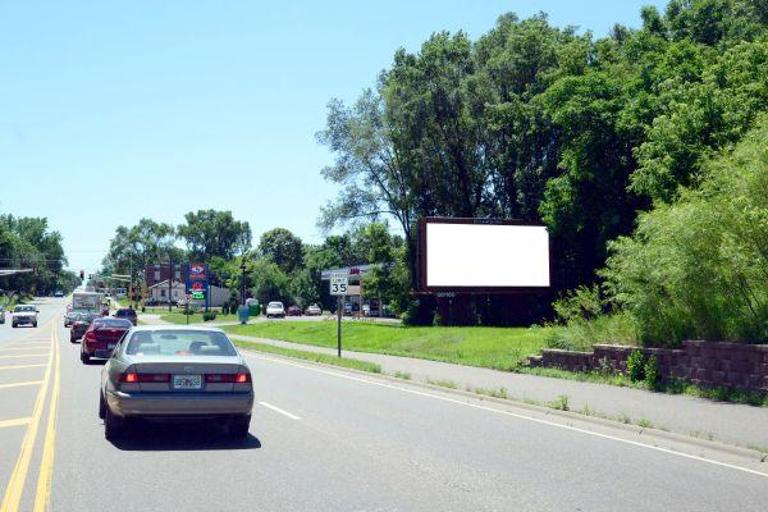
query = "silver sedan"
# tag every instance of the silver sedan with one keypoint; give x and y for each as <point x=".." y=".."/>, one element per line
<point x="170" y="373"/>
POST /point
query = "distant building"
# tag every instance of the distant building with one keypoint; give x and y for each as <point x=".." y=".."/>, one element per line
<point x="154" y="274"/>
<point x="159" y="292"/>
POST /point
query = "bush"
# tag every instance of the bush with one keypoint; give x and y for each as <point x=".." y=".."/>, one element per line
<point x="696" y="269"/>
<point x="581" y="334"/>
<point x="636" y="366"/>
<point x="651" y="372"/>
<point x="209" y="315"/>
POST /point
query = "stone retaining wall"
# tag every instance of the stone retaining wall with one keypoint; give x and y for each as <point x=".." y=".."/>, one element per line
<point x="708" y="364"/>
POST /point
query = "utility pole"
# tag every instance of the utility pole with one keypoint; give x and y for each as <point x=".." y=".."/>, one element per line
<point x="171" y="273"/>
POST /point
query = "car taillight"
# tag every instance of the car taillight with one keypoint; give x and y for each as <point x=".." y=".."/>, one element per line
<point x="154" y="377"/>
<point x="216" y="378"/>
<point x="90" y="336"/>
<point x="133" y="377"/>
<point x="129" y="378"/>
<point x="228" y="378"/>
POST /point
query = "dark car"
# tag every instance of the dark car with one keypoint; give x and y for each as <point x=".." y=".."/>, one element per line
<point x="127" y="314"/>
<point x="80" y="324"/>
<point x="293" y="311"/>
<point x="102" y="336"/>
<point x="2" y="315"/>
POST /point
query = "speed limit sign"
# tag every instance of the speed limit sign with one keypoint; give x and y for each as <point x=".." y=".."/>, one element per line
<point x="339" y="283"/>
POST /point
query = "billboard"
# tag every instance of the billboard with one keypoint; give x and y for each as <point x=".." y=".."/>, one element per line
<point x="483" y="256"/>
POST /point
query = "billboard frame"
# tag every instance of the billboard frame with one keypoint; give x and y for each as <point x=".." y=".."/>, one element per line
<point x="421" y="260"/>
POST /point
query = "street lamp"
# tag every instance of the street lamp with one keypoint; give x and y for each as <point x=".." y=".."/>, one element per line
<point x="242" y="282"/>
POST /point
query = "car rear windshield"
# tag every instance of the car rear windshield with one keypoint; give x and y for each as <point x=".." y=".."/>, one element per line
<point x="275" y="304"/>
<point x="124" y="313"/>
<point x="180" y="343"/>
<point x="112" y="323"/>
<point x="24" y="309"/>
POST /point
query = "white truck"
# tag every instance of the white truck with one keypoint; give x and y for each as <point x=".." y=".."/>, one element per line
<point x="87" y="302"/>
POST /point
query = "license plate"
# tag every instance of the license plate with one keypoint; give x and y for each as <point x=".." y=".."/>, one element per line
<point x="187" y="381"/>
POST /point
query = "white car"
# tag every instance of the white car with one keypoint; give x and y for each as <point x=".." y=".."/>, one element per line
<point x="24" y="314"/>
<point x="314" y="310"/>
<point x="275" y="309"/>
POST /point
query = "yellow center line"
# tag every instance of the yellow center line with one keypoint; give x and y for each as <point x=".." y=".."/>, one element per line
<point x="16" y="422"/>
<point x="20" y="384"/>
<point x="16" y="356"/>
<point x="45" y="478"/>
<point x="13" y="492"/>
<point x="21" y="366"/>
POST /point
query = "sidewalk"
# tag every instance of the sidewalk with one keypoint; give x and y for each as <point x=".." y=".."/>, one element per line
<point x="737" y="424"/>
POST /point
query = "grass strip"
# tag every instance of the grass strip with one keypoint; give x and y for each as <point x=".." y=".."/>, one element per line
<point x="354" y="364"/>
<point x="194" y="318"/>
<point x="499" y="348"/>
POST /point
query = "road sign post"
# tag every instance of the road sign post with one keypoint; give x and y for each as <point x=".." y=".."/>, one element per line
<point x="338" y="326"/>
<point x="338" y="287"/>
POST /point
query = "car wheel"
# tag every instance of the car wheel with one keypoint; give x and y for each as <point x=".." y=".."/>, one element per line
<point x="34" y="325"/>
<point x="102" y="406"/>
<point x="85" y="358"/>
<point x="14" y="325"/>
<point x="113" y="425"/>
<point x="238" y="428"/>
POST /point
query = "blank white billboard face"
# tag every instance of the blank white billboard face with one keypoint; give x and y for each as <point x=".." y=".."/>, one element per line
<point x="486" y="255"/>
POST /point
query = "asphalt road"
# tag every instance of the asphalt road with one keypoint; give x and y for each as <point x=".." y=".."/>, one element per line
<point x="326" y="439"/>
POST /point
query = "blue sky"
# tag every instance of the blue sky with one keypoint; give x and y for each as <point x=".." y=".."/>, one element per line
<point x="110" y="111"/>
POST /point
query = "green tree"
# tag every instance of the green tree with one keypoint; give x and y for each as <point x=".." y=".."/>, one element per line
<point x="210" y="233"/>
<point x="283" y="248"/>
<point x="146" y="243"/>
<point x="269" y="282"/>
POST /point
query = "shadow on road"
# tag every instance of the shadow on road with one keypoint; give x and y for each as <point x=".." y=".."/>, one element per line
<point x="145" y="436"/>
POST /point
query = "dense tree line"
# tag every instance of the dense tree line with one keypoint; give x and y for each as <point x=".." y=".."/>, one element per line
<point x="281" y="266"/>
<point x="543" y="123"/>
<point x="28" y="242"/>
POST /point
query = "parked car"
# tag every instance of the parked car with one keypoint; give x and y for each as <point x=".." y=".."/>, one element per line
<point x="101" y="337"/>
<point x="58" y="293"/>
<point x="127" y="314"/>
<point x="165" y="373"/>
<point x="293" y="311"/>
<point x="275" y="309"/>
<point x="80" y="325"/>
<point x="2" y="314"/>
<point x="314" y="310"/>
<point x="24" y="314"/>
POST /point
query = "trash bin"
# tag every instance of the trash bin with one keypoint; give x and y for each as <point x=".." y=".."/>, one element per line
<point x="253" y="307"/>
<point x="243" y="312"/>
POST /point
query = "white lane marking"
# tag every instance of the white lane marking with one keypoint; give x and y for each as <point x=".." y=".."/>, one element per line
<point x="521" y="416"/>
<point x="16" y="422"/>
<point x="20" y="384"/>
<point x="21" y="366"/>
<point x="18" y="356"/>
<point x="277" y="409"/>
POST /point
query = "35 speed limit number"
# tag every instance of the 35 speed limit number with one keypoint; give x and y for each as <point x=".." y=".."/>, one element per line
<point x="339" y="284"/>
